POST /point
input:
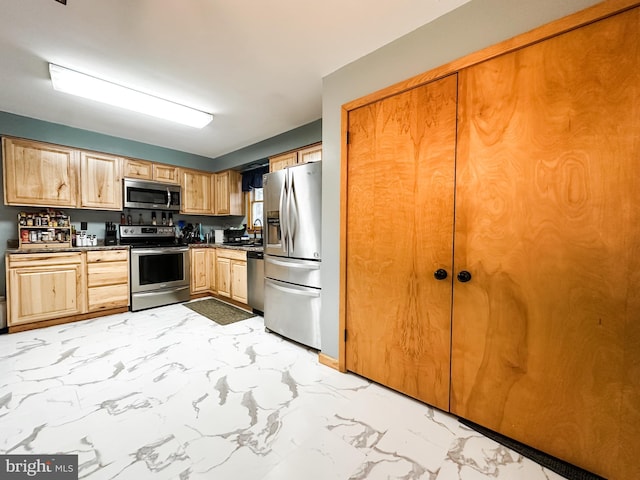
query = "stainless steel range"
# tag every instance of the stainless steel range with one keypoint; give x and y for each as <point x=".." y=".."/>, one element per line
<point x="159" y="266"/>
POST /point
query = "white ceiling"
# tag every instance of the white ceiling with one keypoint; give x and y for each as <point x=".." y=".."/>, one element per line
<point x="257" y="65"/>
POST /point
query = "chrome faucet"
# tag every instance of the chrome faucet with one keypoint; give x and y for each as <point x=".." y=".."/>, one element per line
<point x="255" y="234"/>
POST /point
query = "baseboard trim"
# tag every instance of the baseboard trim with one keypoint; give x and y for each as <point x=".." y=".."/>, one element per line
<point x="328" y="361"/>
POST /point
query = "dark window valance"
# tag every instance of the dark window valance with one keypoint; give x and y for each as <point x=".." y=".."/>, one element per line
<point x="253" y="178"/>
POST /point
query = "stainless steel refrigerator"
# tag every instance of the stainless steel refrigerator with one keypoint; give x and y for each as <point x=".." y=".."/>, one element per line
<point x="292" y="208"/>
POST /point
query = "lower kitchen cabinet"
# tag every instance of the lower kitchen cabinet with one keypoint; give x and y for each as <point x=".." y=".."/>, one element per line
<point x="239" y="280"/>
<point x="107" y="279"/>
<point x="219" y="271"/>
<point x="231" y="274"/>
<point x="59" y="287"/>
<point x="42" y="286"/>
<point x="199" y="264"/>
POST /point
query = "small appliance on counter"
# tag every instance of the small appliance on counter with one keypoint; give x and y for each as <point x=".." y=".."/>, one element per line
<point x="233" y="236"/>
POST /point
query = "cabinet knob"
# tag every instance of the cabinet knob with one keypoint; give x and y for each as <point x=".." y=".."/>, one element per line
<point x="464" y="276"/>
<point x="440" y="274"/>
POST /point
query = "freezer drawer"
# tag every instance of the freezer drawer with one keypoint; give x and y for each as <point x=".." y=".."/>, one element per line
<point x="293" y="311"/>
<point x="293" y="270"/>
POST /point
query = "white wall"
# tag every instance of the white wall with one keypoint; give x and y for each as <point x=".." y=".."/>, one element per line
<point x="471" y="27"/>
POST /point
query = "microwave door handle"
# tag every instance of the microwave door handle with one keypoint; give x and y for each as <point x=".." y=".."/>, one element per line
<point x="168" y="198"/>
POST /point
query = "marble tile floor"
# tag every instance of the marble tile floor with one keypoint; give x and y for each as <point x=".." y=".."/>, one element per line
<point x="168" y="394"/>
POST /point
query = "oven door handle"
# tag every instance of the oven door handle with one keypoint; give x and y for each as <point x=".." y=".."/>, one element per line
<point x="157" y="251"/>
<point x="155" y="292"/>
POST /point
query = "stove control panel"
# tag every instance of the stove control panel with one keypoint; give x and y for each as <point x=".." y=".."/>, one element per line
<point x="146" y="231"/>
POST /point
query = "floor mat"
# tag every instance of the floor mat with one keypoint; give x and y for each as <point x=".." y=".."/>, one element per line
<point x="220" y="312"/>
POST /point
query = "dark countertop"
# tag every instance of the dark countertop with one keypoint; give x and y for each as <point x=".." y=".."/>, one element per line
<point x="245" y="248"/>
<point x="66" y="249"/>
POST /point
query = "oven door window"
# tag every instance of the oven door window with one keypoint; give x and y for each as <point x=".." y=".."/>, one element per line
<point x="162" y="268"/>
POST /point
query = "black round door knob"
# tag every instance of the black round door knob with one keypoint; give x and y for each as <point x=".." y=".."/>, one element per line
<point x="464" y="276"/>
<point x="440" y="274"/>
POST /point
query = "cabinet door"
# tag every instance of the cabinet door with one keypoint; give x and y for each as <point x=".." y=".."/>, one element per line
<point x="211" y="262"/>
<point x="401" y="162"/>
<point x="228" y="193"/>
<point x="43" y="293"/>
<point x="196" y="192"/>
<point x="39" y="174"/>
<point x="165" y="173"/>
<point x="310" y="154"/>
<point x="140" y="169"/>
<point x="282" y="161"/>
<point x="199" y="270"/>
<point x="546" y="337"/>
<point x="101" y="181"/>
<point x="239" y="280"/>
<point x="223" y="276"/>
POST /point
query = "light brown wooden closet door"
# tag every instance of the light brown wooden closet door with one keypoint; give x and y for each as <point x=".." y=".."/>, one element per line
<point x="401" y="160"/>
<point x="546" y="335"/>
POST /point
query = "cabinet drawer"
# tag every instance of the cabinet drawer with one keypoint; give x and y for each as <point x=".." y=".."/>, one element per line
<point x="107" y="273"/>
<point x="107" y="256"/>
<point x="43" y="259"/>
<point x="108" y="296"/>
<point x="231" y="254"/>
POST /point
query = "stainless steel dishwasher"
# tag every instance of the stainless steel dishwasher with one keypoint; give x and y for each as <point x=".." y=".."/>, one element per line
<point x="255" y="281"/>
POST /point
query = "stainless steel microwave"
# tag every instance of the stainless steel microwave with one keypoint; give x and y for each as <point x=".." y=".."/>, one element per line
<point x="151" y="195"/>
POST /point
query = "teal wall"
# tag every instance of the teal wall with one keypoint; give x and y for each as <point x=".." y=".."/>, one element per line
<point x="258" y="153"/>
<point x="19" y="126"/>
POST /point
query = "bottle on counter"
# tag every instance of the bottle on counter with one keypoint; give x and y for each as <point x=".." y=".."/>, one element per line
<point x="164" y="218"/>
<point x="123" y="219"/>
<point x="153" y="218"/>
<point x="170" y="219"/>
<point x="140" y="220"/>
<point x="129" y="219"/>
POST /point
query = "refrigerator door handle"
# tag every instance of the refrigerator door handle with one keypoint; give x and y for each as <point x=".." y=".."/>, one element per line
<point x="292" y="221"/>
<point x="302" y="266"/>
<point x="282" y="213"/>
<point x="305" y="293"/>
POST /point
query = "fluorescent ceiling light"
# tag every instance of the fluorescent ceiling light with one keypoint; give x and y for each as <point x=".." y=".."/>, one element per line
<point x="75" y="83"/>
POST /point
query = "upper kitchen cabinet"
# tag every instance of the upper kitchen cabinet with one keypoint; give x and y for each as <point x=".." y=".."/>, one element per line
<point x="145" y="170"/>
<point x="39" y="174"/>
<point x="312" y="153"/>
<point x="228" y="193"/>
<point x="101" y="181"/>
<point x="140" y="169"/>
<point x="165" y="173"/>
<point x="197" y="192"/>
<point x="280" y="162"/>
